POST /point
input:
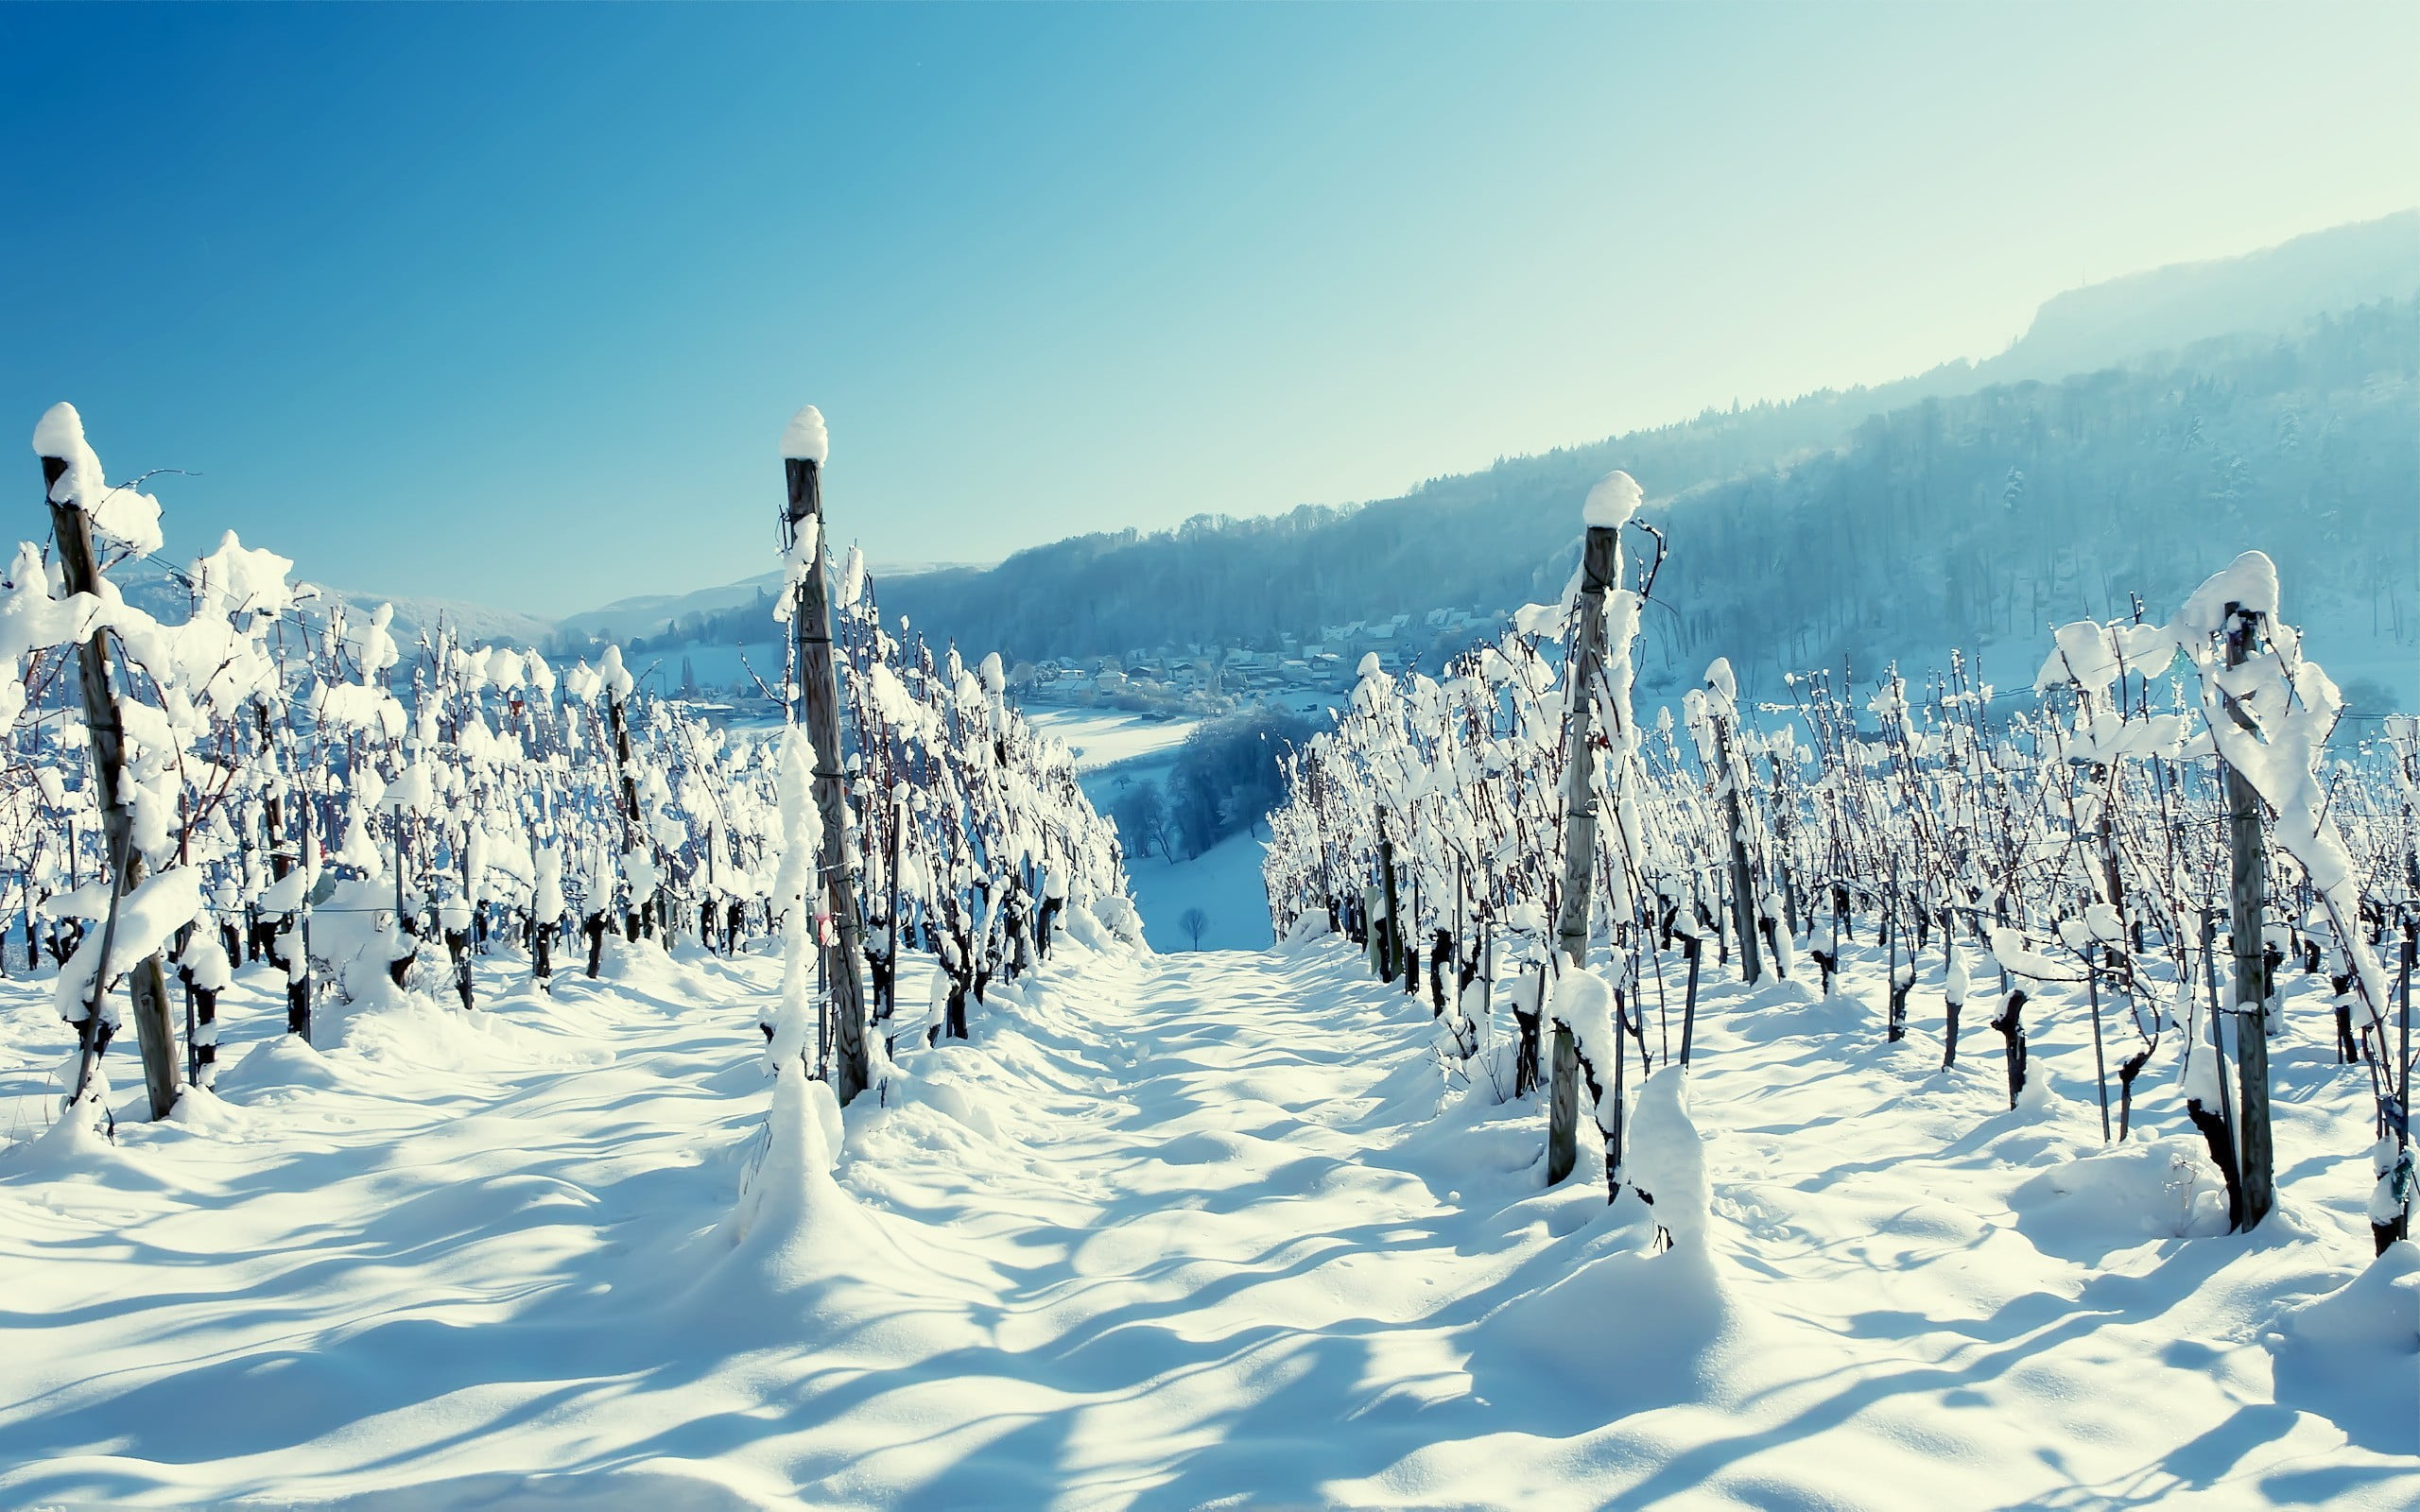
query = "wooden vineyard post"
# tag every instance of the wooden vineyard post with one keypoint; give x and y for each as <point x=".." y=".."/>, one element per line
<point x="458" y="944"/>
<point x="298" y="965"/>
<point x="1563" y="1116"/>
<point x="890" y="1004"/>
<point x="1462" y="883"/>
<point x="628" y="787"/>
<point x="1599" y="561"/>
<point x="399" y="965"/>
<point x="1743" y="905"/>
<point x="1693" y="950"/>
<point x="2100" y="1055"/>
<point x="2217" y="1126"/>
<point x="1319" y="831"/>
<point x="2399" y="1227"/>
<point x="2244" y="924"/>
<point x="1390" y="938"/>
<point x="285" y="854"/>
<point x="820" y="694"/>
<point x="1597" y="566"/>
<point x="148" y="984"/>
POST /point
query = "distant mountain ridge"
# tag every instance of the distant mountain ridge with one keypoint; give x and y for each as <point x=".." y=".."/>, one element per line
<point x="2274" y="290"/>
<point x="2285" y="421"/>
<point x="1289" y="574"/>
<point x="158" y="589"/>
<point x="651" y="614"/>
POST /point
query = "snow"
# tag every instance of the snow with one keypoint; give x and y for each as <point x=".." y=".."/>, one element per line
<point x="235" y="579"/>
<point x="1223" y="882"/>
<point x="1583" y="1002"/>
<point x="157" y="907"/>
<point x="2249" y="582"/>
<point x="802" y="854"/>
<point x="804" y="436"/>
<point x="129" y="517"/>
<point x="1546" y="620"/>
<point x="614" y="678"/>
<point x="789" y="1201"/>
<point x="60" y="433"/>
<point x="1612" y="502"/>
<point x="1722" y="684"/>
<point x="1666" y="1157"/>
<point x="1199" y="1229"/>
<point x="1102" y="738"/>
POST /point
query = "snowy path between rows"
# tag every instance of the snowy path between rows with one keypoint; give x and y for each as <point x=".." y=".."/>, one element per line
<point x="1192" y="1230"/>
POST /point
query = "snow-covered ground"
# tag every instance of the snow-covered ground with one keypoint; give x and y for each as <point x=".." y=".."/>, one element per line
<point x="1107" y="737"/>
<point x="1223" y="882"/>
<point x="1198" y="1230"/>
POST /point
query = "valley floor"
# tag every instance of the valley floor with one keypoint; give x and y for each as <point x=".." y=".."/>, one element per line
<point x="1200" y="1230"/>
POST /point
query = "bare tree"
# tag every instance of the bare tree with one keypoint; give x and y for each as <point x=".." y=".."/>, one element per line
<point x="1141" y="813"/>
<point x="1195" y="923"/>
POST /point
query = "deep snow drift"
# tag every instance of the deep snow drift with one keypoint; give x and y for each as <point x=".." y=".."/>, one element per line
<point x="1200" y="1230"/>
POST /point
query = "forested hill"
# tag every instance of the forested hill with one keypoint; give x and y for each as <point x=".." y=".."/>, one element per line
<point x="1963" y="521"/>
<point x="1907" y="517"/>
<point x="1951" y="520"/>
<point x="2168" y="308"/>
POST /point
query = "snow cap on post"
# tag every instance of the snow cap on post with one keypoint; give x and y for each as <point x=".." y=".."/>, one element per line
<point x="616" y="679"/>
<point x="1719" y="681"/>
<point x="2249" y="582"/>
<point x="60" y="433"/>
<point x="804" y="439"/>
<point x="1612" y="502"/>
<point x="123" y="514"/>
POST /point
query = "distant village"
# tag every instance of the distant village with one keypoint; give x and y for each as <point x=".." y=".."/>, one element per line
<point x="728" y="682"/>
<point x="1213" y="679"/>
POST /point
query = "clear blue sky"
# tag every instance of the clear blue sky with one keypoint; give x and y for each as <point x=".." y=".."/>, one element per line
<point x="509" y="304"/>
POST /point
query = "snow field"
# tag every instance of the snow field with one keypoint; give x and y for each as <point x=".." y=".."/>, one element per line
<point x="1102" y="738"/>
<point x="1189" y="1230"/>
<point x="1223" y="882"/>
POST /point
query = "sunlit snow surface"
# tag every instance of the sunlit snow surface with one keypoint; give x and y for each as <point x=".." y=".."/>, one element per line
<point x="1223" y="883"/>
<point x="1105" y="737"/>
<point x="1201" y="1229"/>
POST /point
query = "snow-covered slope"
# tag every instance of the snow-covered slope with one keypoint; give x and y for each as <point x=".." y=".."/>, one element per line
<point x="1222" y="882"/>
<point x="1208" y="1229"/>
<point x="1103" y="738"/>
